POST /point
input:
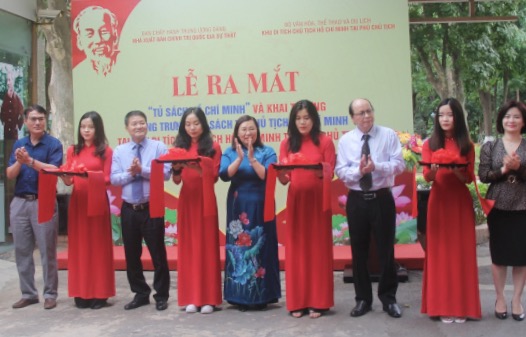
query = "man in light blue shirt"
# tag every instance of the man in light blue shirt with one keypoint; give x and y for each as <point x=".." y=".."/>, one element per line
<point x="130" y="168"/>
<point x="369" y="157"/>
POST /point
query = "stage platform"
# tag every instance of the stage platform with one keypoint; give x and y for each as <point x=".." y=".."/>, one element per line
<point x="410" y="256"/>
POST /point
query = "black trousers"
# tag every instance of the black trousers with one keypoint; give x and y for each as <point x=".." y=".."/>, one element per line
<point x="376" y="216"/>
<point x="137" y="225"/>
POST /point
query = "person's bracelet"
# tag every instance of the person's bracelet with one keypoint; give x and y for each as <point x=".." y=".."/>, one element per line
<point x="177" y="172"/>
<point x="252" y="161"/>
<point x="32" y="162"/>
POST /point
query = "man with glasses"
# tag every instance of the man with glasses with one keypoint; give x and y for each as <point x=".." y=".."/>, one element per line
<point x="369" y="157"/>
<point x="31" y="154"/>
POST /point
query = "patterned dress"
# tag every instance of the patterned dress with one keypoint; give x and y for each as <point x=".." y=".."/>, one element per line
<point x="251" y="264"/>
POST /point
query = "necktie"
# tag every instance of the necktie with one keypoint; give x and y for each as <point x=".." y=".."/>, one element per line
<point x="137" y="182"/>
<point x="366" y="182"/>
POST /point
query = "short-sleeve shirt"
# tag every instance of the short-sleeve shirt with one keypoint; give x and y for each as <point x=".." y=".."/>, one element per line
<point x="48" y="150"/>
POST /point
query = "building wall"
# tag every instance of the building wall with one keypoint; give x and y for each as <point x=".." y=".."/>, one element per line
<point x="16" y="20"/>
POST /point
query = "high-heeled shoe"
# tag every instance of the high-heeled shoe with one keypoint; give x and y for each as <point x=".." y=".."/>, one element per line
<point x="500" y="315"/>
<point x="517" y="317"/>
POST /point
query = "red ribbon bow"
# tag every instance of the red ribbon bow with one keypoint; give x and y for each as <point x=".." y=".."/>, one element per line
<point x="443" y="156"/>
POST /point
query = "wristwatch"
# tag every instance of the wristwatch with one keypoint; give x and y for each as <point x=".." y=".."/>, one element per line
<point x="32" y="162"/>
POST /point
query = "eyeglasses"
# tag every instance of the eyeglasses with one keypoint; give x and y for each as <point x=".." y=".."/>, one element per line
<point x="370" y="112"/>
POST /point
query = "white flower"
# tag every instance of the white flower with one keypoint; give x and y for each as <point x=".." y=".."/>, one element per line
<point x="235" y="228"/>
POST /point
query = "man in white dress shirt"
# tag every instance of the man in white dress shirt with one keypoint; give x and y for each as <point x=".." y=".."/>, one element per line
<point x="369" y="158"/>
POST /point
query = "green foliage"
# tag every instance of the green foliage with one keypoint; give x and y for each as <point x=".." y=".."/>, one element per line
<point x="406" y="232"/>
<point x="170" y="215"/>
<point x="481" y="64"/>
<point x="116" y="230"/>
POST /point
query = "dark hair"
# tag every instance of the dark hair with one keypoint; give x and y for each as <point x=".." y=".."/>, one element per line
<point x="505" y="108"/>
<point x="206" y="142"/>
<point x="460" y="130"/>
<point x="134" y="113"/>
<point x="351" y="112"/>
<point x="295" y="137"/>
<point x="35" y="107"/>
<point x="100" y="141"/>
<point x="241" y="120"/>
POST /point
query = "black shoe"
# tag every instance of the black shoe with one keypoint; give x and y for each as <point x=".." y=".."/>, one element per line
<point x="98" y="303"/>
<point x="261" y="307"/>
<point x="137" y="302"/>
<point x="393" y="310"/>
<point x="360" y="309"/>
<point x="517" y="317"/>
<point x="83" y="303"/>
<point x="500" y="315"/>
<point x="161" y="305"/>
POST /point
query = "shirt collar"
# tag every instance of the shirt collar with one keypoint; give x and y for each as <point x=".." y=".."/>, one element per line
<point x="372" y="133"/>
<point x="44" y="140"/>
<point x="142" y="143"/>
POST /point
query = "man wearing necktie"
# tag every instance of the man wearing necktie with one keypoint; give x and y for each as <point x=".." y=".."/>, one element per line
<point x="131" y="168"/>
<point x="369" y="157"/>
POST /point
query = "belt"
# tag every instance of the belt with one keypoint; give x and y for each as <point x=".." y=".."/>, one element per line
<point x="371" y="195"/>
<point x="513" y="179"/>
<point x="137" y="207"/>
<point x="28" y="197"/>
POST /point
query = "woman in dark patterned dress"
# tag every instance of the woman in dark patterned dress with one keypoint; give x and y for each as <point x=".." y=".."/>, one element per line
<point x="503" y="165"/>
<point x="251" y="263"/>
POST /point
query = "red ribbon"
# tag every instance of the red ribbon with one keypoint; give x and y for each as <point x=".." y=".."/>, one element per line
<point x="270" y="205"/>
<point x="443" y="156"/>
<point x="269" y="211"/>
<point x="157" y="207"/>
<point x="47" y="192"/>
<point x="157" y="189"/>
<point x="176" y="153"/>
<point x="487" y="204"/>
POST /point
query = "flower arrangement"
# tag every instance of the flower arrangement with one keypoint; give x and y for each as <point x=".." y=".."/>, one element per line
<point x="411" y="148"/>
